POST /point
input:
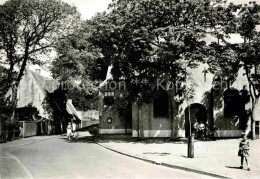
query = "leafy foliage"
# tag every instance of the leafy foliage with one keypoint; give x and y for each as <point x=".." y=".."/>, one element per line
<point x="159" y="40"/>
<point x="81" y="62"/>
<point x="83" y="101"/>
<point x="225" y="58"/>
<point x="29" y="29"/>
<point x="151" y="40"/>
<point x="78" y="59"/>
<point x="27" y="113"/>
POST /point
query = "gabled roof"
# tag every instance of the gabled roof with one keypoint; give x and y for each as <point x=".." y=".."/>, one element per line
<point x="71" y="109"/>
<point x="43" y="84"/>
<point x="108" y="76"/>
<point x="46" y="84"/>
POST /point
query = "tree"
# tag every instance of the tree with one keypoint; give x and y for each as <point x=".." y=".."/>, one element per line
<point x="248" y="51"/>
<point x="55" y="107"/>
<point x="30" y="29"/>
<point x="83" y="101"/>
<point x="228" y="58"/>
<point x="3" y="89"/>
<point x="155" y="40"/>
<point x="80" y="67"/>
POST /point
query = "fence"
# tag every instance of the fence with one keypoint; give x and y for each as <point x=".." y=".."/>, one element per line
<point x="33" y="128"/>
<point x="30" y="128"/>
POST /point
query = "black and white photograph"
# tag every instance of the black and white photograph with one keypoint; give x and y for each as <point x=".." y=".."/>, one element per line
<point x="129" y="89"/>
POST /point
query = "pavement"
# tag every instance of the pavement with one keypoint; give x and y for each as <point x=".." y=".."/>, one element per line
<point x="217" y="158"/>
<point x="56" y="157"/>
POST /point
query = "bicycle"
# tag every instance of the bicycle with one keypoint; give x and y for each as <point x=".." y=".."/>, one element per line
<point x="210" y="133"/>
<point x="205" y="132"/>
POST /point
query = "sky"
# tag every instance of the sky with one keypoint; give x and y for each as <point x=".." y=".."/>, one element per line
<point x="89" y="8"/>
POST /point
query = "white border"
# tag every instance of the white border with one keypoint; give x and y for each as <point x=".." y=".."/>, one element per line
<point x="229" y="133"/>
<point x="114" y="131"/>
<point x="158" y="133"/>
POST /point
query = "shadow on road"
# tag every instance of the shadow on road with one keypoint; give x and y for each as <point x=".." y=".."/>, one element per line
<point x="85" y="139"/>
<point x="157" y="153"/>
<point x="233" y="167"/>
<point x="129" y="139"/>
<point x="184" y="156"/>
<point x="121" y="138"/>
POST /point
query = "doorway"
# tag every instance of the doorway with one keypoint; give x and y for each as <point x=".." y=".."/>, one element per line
<point x="194" y="112"/>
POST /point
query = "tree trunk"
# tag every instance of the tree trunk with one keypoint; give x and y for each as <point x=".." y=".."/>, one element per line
<point x="17" y="81"/>
<point x="253" y="122"/>
<point x="14" y="89"/>
<point x="254" y="99"/>
<point x="125" y="126"/>
<point x="140" y="124"/>
<point x="173" y="115"/>
<point x="253" y="128"/>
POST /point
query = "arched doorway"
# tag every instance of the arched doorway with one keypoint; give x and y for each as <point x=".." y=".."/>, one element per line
<point x="194" y="112"/>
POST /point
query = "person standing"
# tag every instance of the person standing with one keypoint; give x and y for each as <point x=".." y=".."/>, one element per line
<point x="243" y="151"/>
<point x="195" y="128"/>
<point x="201" y="130"/>
<point x="74" y="127"/>
<point x="69" y="130"/>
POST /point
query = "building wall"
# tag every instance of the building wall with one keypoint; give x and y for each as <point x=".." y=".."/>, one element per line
<point x="117" y="125"/>
<point x="145" y="124"/>
<point x="29" y="92"/>
<point x="225" y="127"/>
<point x="161" y="127"/>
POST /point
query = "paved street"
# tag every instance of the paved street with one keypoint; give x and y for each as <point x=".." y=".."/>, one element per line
<point x="55" y="157"/>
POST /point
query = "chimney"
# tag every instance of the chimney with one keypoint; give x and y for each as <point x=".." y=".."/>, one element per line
<point x="38" y="71"/>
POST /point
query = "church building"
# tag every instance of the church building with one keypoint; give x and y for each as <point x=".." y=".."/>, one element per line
<point x="224" y="108"/>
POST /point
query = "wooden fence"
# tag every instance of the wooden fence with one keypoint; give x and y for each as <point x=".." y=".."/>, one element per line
<point x="29" y="128"/>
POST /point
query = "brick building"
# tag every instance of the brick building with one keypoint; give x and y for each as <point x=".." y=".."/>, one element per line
<point x="225" y="109"/>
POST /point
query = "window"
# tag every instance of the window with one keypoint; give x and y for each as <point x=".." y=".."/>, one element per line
<point x="109" y="98"/>
<point x="160" y="105"/>
<point x="233" y="104"/>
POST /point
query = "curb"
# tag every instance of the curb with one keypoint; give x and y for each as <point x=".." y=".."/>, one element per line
<point x="167" y="165"/>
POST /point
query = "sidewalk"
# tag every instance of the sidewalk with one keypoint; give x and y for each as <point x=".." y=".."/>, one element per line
<point x="216" y="157"/>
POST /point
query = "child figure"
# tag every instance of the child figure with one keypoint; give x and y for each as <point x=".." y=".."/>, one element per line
<point x="244" y="151"/>
<point x="69" y="130"/>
